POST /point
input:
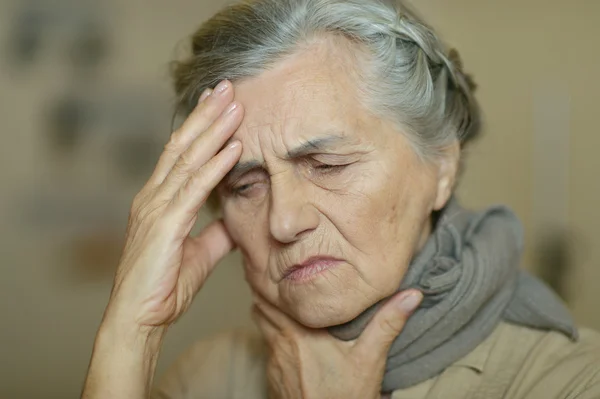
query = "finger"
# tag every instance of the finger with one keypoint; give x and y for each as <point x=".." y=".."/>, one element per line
<point x="205" y="95"/>
<point x="209" y="247"/>
<point x="388" y="323"/>
<point x="268" y="329"/>
<point x="214" y="241"/>
<point x="193" y="194"/>
<point x="203" y="149"/>
<point x="210" y="105"/>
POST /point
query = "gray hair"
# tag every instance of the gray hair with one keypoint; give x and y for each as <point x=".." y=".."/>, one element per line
<point x="410" y="77"/>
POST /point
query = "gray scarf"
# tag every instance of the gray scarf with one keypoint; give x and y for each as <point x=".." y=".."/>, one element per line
<point x="468" y="273"/>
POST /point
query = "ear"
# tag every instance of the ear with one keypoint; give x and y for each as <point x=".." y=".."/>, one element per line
<point x="448" y="164"/>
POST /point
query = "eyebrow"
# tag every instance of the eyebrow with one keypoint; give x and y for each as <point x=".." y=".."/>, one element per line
<point x="310" y="146"/>
<point x="318" y="144"/>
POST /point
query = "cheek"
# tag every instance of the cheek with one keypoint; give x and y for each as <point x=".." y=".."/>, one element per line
<point x="234" y="223"/>
<point x="249" y="233"/>
<point x="382" y="218"/>
<point x="372" y="205"/>
<point x="245" y="230"/>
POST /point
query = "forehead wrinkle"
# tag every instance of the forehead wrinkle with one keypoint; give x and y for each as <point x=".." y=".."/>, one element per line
<point x="322" y="142"/>
<point x="317" y="144"/>
<point x="283" y="120"/>
<point x="271" y="140"/>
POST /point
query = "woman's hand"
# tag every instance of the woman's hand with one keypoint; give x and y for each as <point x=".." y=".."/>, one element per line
<point x="311" y="364"/>
<point x="162" y="267"/>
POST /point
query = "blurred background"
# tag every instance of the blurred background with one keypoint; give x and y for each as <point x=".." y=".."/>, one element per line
<point x="86" y="106"/>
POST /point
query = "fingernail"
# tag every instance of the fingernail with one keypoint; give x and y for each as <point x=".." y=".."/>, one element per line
<point x="232" y="146"/>
<point x="205" y="94"/>
<point x="232" y="107"/>
<point x="410" y="302"/>
<point x="222" y="87"/>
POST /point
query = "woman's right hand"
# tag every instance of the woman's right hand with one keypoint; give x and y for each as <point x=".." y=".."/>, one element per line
<point x="162" y="267"/>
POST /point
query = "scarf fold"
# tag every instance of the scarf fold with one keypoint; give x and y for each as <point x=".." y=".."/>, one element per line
<point x="468" y="272"/>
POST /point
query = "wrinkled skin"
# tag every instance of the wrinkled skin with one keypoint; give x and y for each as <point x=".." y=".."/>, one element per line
<point x="312" y="364"/>
<point x="359" y="194"/>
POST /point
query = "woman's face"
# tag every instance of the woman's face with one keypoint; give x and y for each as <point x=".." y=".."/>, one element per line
<point x="328" y="203"/>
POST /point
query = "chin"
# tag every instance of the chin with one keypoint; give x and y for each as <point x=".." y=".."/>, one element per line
<point x="320" y="312"/>
<point x="329" y="299"/>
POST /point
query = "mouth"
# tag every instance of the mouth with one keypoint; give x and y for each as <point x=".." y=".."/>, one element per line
<point x="310" y="268"/>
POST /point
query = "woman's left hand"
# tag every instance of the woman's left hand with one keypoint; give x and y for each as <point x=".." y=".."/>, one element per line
<point x="311" y="364"/>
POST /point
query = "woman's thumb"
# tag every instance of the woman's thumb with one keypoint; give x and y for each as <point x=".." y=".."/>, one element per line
<point x="389" y="322"/>
<point x="208" y="248"/>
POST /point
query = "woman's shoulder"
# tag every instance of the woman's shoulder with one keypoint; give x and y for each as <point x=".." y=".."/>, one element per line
<point x="227" y="365"/>
<point x="554" y="349"/>
<point x="551" y="365"/>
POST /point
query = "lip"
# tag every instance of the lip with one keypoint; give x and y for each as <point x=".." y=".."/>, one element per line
<point x="310" y="268"/>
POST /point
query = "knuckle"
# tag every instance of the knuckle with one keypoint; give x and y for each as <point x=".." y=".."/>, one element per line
<point x="185" y="163"/>
<point x="139" y="199"/>
<point x="134" y="214"/>
<point x="145" y="212"/>
<point x="135" y="204"/>
<point x="134" y="219"/>
<point x="143" y="197"/>
<point x="199" y="185"/>
<point x="137" y="214"/>
<point x="196" y="186"/>
<point x="391" y="327"/>
<point x="174" y="142"/>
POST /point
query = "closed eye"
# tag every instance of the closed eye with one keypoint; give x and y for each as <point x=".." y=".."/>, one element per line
<point x="242" y="188"/>
<point x="252" y="188"/>
<point x="330" y="168"/>
<point x="325" y="167"/>
<point x="245" y="184"/>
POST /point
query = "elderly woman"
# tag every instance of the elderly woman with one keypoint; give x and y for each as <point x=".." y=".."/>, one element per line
<point x="329" y="135"/>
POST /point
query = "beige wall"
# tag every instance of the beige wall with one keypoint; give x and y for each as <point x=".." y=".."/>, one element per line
<point x="521" y="51"/>
<point x="514" y="49"/>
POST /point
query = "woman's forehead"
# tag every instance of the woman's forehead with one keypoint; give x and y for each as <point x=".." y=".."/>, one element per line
<point x="294" y="102"/>
<point x="292" y="140"/>
<point x="298" y="100"/>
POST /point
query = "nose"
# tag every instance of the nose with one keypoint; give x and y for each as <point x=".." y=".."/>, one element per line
<point x="291" y="211"/>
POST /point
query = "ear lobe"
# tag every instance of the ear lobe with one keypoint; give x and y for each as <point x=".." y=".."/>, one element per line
<point x="447" y="172"/>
